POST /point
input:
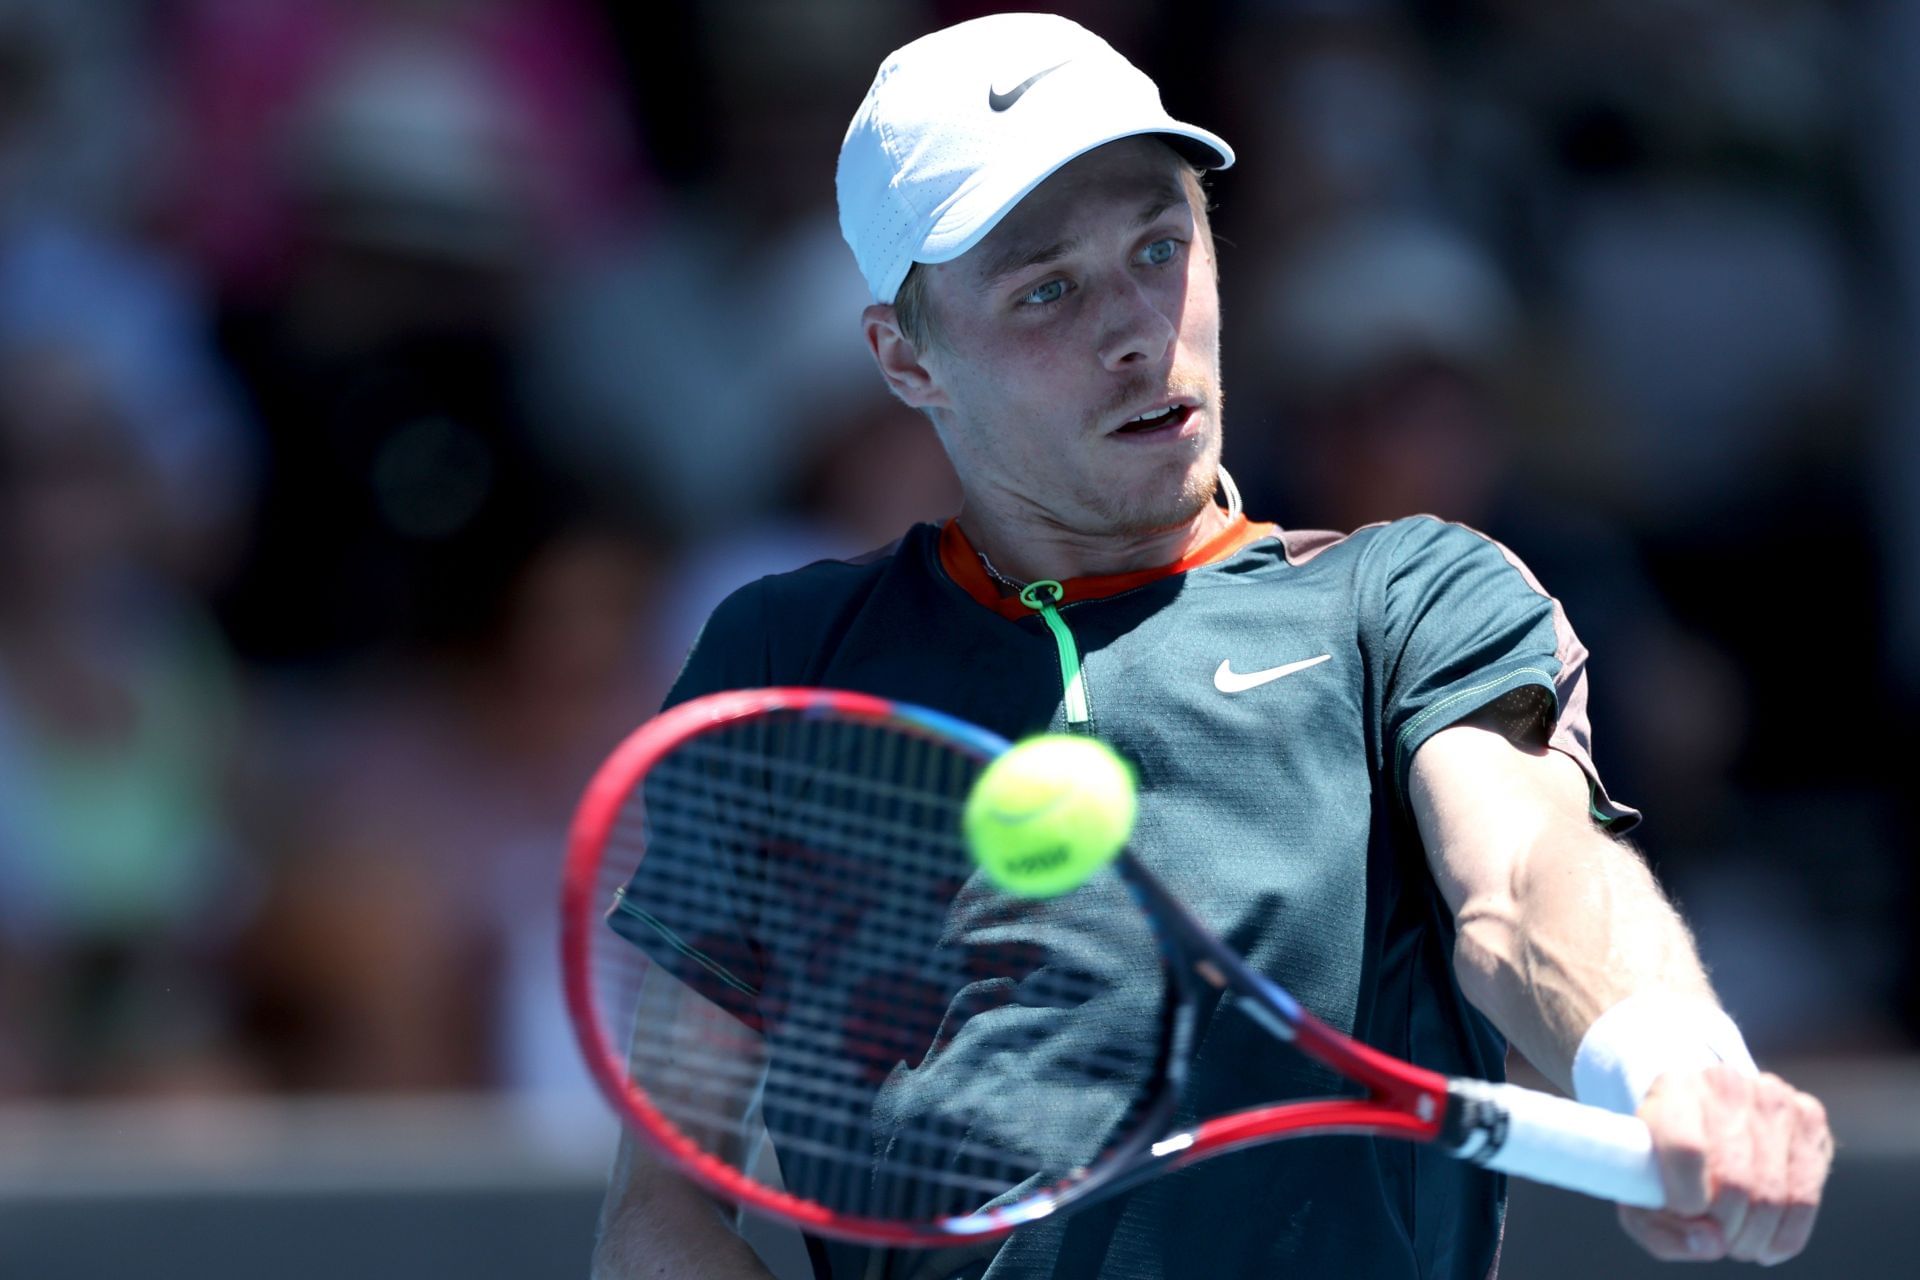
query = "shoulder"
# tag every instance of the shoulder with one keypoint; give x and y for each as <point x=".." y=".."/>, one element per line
<point x="1406" y="535"/>
<point x="769" y="630"/>
<point x="805" y="607"/>
<point x="1418" y="554"/>
<point x="1418" y="536"/>
<point x="1391" y="549"/>
<point x="1426" y="551"/>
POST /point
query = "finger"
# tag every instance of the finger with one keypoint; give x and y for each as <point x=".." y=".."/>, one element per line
<point x="1674" y="1113"/>
<point x="1730" y="1148"/>
<point x="1770" y="1127"/>
<point x="1809" y="1161"/>
<point x="1671" y="1238"/>
<point x="1796" y="1228"/>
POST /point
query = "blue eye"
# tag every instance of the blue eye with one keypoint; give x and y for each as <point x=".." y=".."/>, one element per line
<point x="1161" y="252"/>
<point x="1041" y="294"/>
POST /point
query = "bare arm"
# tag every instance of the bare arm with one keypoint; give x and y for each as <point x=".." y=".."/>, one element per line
<point x="1558" y="923"/>
<point x="655" y="1223"/>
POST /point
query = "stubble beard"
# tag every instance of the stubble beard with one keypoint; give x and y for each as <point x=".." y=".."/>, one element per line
<point x="1139" y="513"/>
<point x="1107" y="507"/>
<point x="1153" y="508"/>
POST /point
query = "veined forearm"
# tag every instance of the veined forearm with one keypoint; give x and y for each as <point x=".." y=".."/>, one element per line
<point x="1566" y="942"/>
<point x="1580" y="926"/>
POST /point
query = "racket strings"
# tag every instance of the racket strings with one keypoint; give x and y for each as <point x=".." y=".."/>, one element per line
<point x="824" y="881"/>
<point x="798" y="883"/>
<point x="907" y="927"/>
<point x="836" y="1084"/>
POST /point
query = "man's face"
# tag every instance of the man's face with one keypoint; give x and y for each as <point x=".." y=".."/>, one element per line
<point x="1091" y="303"/>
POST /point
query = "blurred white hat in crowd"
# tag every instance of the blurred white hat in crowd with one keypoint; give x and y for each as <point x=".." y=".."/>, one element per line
<point x="960" y="125"/>
<point x="409" y="147"/>
<point x="1362" y="295"/>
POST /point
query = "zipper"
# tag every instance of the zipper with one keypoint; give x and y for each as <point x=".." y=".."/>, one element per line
<point x="1044" y="598"/>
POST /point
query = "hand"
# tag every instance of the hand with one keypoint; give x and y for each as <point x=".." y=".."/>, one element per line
<point x="1743" y="1159"/>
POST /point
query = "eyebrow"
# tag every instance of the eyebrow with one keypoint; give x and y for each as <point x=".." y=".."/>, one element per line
<point x="1021" y="255"/>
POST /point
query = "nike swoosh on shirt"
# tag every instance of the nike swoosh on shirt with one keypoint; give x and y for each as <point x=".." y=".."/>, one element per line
<point x="1227" y="680"/>
<point x="1001" y="101"/>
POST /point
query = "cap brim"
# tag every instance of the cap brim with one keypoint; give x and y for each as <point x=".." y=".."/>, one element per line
<point x="974" y="211"/>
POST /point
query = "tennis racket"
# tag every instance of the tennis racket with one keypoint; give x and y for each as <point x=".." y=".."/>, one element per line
<point x="786" y="974"/>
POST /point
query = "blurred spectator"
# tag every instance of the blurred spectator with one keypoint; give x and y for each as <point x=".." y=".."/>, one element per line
<point x="124" y="480"/>
<point x="1676" y="194"/>
<point x="480" y="125"/>
<point x="401" y="476"/>
<point x="411" y="166"/>
<point x="118" y="724"/>
<point x="410" y="938"/>
<point x="146" y="332"/>
<point x="702" y="359"/>
<point x="1340" y="119"/>
<point x="1719" y="325"/>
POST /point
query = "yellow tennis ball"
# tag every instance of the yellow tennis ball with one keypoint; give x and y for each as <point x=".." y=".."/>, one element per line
<point x="1049" y="813"/>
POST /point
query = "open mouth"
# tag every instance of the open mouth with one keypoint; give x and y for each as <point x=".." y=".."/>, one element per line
<point x="1173" y="417"/>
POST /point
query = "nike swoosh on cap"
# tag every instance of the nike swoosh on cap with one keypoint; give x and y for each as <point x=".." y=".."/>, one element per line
<point x="1227" y="680"/>
<point x="1001" y="101"/>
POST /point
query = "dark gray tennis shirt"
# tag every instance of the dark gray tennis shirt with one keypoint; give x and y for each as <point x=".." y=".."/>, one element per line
<point x="1276" y="810"/>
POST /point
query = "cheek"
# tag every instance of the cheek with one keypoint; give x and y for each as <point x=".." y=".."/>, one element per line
<point x="1011" y="355"/>
<point x="1012" y="374"/>
<point x="1200" y="321"/>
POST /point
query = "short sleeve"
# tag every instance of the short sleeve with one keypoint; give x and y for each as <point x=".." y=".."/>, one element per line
<point x="685" y="905"/>
<point x="1464" y="624"/>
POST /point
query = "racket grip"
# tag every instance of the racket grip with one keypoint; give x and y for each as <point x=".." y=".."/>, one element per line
<point x="1549" y="1139"/>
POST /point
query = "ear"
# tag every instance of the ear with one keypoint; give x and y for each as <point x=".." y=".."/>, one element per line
<point x="900" y="364"/>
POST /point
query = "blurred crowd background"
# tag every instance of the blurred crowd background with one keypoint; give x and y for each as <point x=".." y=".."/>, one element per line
<point x="389" y="387"/>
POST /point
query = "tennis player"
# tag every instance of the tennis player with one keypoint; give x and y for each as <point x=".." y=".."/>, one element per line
<point x="1364" y="757"/>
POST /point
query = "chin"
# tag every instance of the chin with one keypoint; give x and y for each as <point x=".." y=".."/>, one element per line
<point x="1141" y="513"/>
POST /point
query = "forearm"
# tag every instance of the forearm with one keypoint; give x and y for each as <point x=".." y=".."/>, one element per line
<point x="1581" y="926"/>
<point x="1566" y="942"/>
<point x="1557" y="922"/>
<point x="658" y="1226"/>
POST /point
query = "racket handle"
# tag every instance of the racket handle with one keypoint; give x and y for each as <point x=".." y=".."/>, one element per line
<point x="1549" y="1139"/>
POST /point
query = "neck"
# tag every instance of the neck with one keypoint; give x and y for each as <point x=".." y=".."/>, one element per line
<point x="1028" y="551"/>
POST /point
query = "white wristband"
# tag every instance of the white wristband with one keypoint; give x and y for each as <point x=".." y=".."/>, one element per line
<point x="1647" y="1035"/>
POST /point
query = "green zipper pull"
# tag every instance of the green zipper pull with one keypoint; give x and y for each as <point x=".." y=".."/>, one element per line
<point x="1070" y="674"/>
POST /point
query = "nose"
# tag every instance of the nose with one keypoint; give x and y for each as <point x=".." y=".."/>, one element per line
<point x="1138" y="331"/>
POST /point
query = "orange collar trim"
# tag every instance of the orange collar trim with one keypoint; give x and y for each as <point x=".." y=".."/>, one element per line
<point x="962" y="563"/>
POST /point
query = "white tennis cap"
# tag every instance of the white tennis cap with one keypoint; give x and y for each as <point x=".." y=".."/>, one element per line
<point x="963" y="123"/>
